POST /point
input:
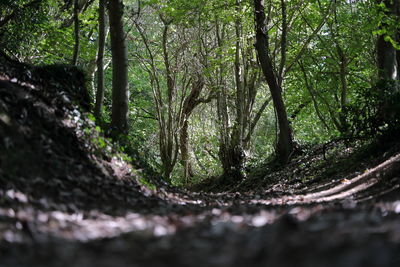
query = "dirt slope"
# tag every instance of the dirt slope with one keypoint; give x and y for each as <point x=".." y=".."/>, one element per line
<point x="66" y="200"/>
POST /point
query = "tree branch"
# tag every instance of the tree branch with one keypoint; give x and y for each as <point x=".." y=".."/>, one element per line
<point x="307" y="42"/>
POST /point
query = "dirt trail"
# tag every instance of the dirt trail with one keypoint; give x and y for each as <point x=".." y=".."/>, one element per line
<point x="66" y="201"/>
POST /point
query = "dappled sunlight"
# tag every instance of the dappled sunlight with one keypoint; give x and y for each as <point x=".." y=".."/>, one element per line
<point x="256" y="220"/>
<point x="345" y="188"/>
<point x="93" y="225"/>
<point x="35" y="224"/>
<point x="387" y="207"/>
<point x="144" y="133"/>
<point x="84" y="226"/>
<point x="98" y="225"/>
<point x="80" y="226"/>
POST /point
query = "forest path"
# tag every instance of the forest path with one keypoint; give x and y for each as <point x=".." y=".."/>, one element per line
<point x="333" y="227"/>
<point x="65" y="201"/>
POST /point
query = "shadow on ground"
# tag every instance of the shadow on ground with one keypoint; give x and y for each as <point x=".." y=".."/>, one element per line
<point x="67" y="201"/>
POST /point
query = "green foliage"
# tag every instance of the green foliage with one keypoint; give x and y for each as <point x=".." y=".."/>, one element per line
<point x="19" y="34"/>
<point x="377" y="111"/>
<point x="327" y="90"/>
<point x="43" y="33"/>
<point x="145" y="182"/>
<point x="136" y="151"/>
<point x="387" y="24"/>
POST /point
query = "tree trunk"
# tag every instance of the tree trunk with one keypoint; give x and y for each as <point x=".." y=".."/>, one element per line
<point x="398" y="51"/>
<point x="184" y="147"/>
<point x="119" y="114"/>
<point x="386" y="58"/>
<point x="398" y="41"/>
<point x="76" y="33"/>
<point x="236" y="146"/>
<point x="285" y="142"/>
<point x="190" y="103"/>
<point x="229" y="154"/>
<point x="170" y="137"/>
<point x="386" y="53"/>
<point x="100" y="60"/>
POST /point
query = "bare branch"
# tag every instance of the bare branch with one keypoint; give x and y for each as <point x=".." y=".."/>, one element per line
<point x="309" y="39"/>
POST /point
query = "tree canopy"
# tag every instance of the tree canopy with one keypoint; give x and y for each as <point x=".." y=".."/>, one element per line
<point x="213" y="88"/>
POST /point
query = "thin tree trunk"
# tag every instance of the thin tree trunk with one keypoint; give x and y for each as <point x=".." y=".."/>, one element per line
<point x="398" y="41"/>
<point x="76" y="33"/>
<point x="257" y="117"/>
<point x="283" y="43"/>
<point x="168" y="133"/>
<point x="190" y="103"/>
<point x="284" y="145"/>
<point x="250" y="90"/>
<point x="343" y="93"/>
<point x="398" y="51"/>
<point x="236" y="146"/>
<point x="119" y="113"/>
<point x="100" y="60"/>
<point x="184" y="147"/>
<point x="170" y="144"/>
<point x="313" y="97"/>
<point x="343" y="63"/>
<point x="222" y="106"/>
<point x="310" y="38"/>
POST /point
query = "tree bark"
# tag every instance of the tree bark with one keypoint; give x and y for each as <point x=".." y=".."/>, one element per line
<point x="100" y="60"/>
<point x="190" y="103"/>
<point x="386" y="53"/>
<point x="236" y="146"/>
<point x="398" y="41"/>
<point x="398" y="51"/>
<point x="230" y="148"/>
<point x="222" y="105"/>
<point x="284" y="146"/>
<point x="170" y="143"/>
<point x="119" y="113"/>
<point x="76" y="33"/>
<point x="283" y="42"/>
<point x="343" y="70"/>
